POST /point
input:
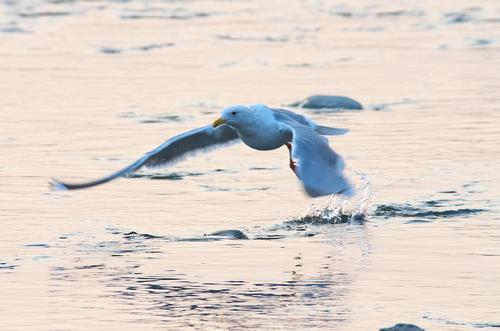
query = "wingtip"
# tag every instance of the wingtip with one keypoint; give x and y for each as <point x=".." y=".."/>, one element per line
<point x="56" y="185"/>
<point x="328" y="131"/>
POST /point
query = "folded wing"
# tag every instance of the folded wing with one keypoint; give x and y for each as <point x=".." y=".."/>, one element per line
<point x="172" y="150"/>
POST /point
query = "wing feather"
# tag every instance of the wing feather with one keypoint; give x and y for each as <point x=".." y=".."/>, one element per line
<point x="283" y="115"/>
<point x="172" y="150"/>
<point x="318" y="167"/>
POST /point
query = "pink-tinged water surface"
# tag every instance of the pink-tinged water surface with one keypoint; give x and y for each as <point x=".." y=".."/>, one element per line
<point x="86" y="87"/>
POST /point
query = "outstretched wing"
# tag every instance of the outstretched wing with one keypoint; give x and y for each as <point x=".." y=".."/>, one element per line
<point x="172" y="150"/>
<point x="318" y="167"/>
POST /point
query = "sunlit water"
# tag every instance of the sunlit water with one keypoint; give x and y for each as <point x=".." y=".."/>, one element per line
<point x="86" y="87"/>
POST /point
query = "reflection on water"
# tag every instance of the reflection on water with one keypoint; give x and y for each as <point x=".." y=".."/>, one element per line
<point x="189" y="299"/>
<point x="228" y="240"/>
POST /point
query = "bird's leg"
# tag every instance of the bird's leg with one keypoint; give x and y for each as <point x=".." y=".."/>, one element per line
<point x="292" y="164"/>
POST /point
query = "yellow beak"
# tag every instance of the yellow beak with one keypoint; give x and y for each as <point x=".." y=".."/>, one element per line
<point x="218" y="122"/>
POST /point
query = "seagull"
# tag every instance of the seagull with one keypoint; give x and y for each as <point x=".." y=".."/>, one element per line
<point x="260" y="127"/>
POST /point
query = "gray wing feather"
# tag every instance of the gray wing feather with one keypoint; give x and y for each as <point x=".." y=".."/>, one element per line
<point x="283" y="115"/>
<point x="318" y="167"/>
<point x="172" y="150"/>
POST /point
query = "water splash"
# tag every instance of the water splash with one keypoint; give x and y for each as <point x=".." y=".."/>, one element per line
<point x="337" y="209"/>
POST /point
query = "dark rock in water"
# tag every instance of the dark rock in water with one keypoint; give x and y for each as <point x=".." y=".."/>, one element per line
<point x="233" y="234"/>
<point x="327" y="101"/>
<point x="403" y="327"/>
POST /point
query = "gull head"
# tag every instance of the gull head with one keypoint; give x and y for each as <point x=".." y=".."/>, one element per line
<point x="236" y="116"/>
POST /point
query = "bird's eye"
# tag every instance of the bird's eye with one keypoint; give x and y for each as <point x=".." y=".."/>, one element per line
<point x="233" y="113"/>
